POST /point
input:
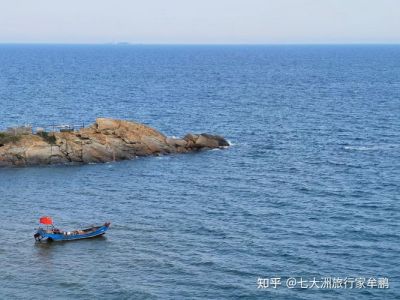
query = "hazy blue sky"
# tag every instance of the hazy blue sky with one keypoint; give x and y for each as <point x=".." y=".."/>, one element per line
<point x="200" y="21"/>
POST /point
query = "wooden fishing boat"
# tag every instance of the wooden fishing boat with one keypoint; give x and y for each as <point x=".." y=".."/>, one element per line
<point x="50" y="233"/>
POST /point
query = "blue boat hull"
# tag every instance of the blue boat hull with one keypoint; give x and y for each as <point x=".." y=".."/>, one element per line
<point x="42" y="234"/>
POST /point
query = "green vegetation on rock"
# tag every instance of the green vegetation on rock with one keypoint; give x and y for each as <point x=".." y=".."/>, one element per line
<point x="6" y="138"/>
<point x="50" y="138"/>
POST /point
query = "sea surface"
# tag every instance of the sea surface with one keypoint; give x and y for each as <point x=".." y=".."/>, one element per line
<point x="310" y="186"/>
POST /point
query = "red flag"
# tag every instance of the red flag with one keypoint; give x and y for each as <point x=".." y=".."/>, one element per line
<point x="46" y="220"/>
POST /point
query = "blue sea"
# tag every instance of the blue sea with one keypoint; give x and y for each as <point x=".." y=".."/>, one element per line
<point x="310" y="187"/>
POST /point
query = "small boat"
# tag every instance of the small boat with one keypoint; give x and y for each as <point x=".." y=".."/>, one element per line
<point x="50" y="233"/>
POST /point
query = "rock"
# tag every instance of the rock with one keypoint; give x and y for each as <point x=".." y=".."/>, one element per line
<point x="154" y="145"/>
<point x="176" y="142"/>
<point x="96" y="152"/>
<point x="210" y="139"/>
<point x="106" y="140"/>
<point x="44" y="154"/>
<point x="191" y="137"/>
<point x="206" y="142"/>
<point x="104" y="124"/>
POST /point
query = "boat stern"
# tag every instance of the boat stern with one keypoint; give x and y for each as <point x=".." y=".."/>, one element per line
<point x="39" y="235"/>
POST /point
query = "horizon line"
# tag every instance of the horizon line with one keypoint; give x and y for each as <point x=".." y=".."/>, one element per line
<point x="206" y="44"/>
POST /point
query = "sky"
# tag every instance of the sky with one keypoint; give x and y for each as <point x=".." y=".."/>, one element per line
<point x="200" y="21"/>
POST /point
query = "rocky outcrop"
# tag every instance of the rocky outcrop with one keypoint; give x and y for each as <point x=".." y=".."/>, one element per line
<point x="104" y="141"/>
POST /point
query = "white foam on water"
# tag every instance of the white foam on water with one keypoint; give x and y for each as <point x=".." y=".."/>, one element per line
<point x="230" y="144"/>
<point x="357" y="148"/>
<point x="372" y="147"/>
